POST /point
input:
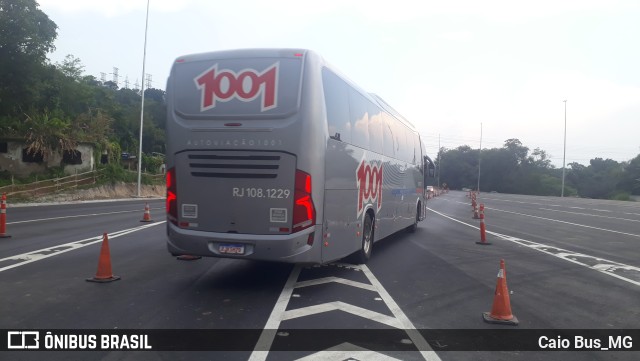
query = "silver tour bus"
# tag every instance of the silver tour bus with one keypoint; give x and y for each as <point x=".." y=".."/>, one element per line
<point x="272" y="155"/>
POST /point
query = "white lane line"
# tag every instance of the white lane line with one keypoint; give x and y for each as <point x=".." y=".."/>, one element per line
<point x="521" y="202"/>
<point x="345" y="307"/>
<point x="555" y="210"/>
<point x="599" y="264"/>
<point x="606" y="268"/>
<point x="590" y="215"/>
<point x="565" y="222"/>
<point x="425" y="350"/>
<point x="273" y="323"/>
<point x="53" y="204"/>
<point x="33" y="256"/>
<point x="79" y="215"/>
<point x="619" y="205"/>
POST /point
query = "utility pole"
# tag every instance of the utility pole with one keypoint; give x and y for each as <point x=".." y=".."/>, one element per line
<point x="564" y="156"/>
<point x="144" y="58"/>
<point x="479" y="154"/>
<point x="439" y="161"/>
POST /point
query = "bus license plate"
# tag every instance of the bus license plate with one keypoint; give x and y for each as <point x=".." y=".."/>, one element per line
<point x="231" y="248"/>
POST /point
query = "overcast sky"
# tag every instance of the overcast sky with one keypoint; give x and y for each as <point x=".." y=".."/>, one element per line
<point x="447" y="66"/>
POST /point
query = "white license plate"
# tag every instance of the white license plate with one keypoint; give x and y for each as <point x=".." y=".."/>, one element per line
<point x="231" y="248"/>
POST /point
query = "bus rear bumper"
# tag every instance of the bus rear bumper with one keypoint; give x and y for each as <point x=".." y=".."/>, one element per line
<point x="289" y="248"/>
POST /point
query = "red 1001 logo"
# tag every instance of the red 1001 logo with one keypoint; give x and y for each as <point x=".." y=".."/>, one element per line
<point x="369" y="179"/>
<point x="246" y="86"/>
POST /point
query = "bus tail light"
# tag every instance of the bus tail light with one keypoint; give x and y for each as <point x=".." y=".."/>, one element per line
<point x="304" y="212"/>
<point x="172" y="200"/>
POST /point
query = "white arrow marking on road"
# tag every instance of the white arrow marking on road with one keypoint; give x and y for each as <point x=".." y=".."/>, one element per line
<point x="337" y="305"/>
<point x="347" y="282"/>
<point x="280" y="314"/>
<point x="347" y="351"/>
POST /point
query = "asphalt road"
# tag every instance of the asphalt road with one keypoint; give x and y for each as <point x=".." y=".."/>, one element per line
<point x="571" y="264"/>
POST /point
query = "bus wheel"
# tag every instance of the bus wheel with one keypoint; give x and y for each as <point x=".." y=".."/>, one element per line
<point x="363" y="255"/>
<point x="412" y="228"/>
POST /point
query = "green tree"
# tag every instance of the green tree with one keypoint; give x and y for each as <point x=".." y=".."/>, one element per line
<point x="46" y="133"/>
<point x="26" y="36"/>
<point x="630" y="179"/>
<point x="459" y="167"/>
<point x="598" y="180"/>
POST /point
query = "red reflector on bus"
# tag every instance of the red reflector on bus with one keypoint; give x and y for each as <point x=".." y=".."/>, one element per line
<point x="180" y="61"/>
<point x="298" y="54"/>
<point x="284" y="229"/>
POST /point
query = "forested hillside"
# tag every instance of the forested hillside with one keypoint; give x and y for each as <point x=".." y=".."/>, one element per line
<point x="515" y="169"/>
<point x="53" y="107"/>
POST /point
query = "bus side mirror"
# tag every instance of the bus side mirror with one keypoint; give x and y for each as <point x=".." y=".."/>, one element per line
<point x="432" y="171"/>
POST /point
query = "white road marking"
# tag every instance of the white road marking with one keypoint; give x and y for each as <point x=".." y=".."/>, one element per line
<point x="78" y="216"/>
<point x="595" y="263"/>
<point x="280" y="313"/>
<point x="422" y="345"/>
<point x="346" y="351"/>
<point x="591" y="215"/>
<point x="565" y="222"/>
<point x="630" y="205"/>
<point x="521" y="202"/>
<point x="320" y="281"/>
<point x="273" y="323"/>
<point x="345" y="307"/>
<point x="33" y="256"/>
<point x="607" y="268"/>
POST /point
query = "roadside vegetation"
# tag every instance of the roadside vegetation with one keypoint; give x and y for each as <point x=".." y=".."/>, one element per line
<point x="53" y="107"/>
<point x="515" y="169"/>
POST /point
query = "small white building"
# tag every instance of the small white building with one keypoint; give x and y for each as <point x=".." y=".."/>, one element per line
<point x="15" y="159"/>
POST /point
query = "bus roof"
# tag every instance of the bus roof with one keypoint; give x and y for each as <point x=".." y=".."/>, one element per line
<point x="245" y="53"/>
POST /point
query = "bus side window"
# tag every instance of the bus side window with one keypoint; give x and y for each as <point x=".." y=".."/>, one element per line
<point x="375" y="128"/>
<point x="416" y="148"/>
<point x="336" y="97"/>
<point x="359" y="119"/>
<point x="388" y="143"/>
<point x="406" y="146"/>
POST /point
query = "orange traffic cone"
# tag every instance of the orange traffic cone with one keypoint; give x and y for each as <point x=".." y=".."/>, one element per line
<point x="3" y="216"/>
<point x="483" y="228"/>
<point x="501" y="309"/>
<point x="104" y="264"/>
<point x="187" y="257"/>
<point x="147" y="214"/>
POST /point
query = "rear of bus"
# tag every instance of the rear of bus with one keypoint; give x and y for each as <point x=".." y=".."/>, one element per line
<point x="243" y="171"/>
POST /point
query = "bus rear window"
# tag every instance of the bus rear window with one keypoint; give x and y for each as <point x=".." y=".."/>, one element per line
<point x="244" y="87"/>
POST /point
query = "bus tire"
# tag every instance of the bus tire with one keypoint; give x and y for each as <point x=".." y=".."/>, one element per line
<point x="412" y="228"/>
<point x="363" y="255"/>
